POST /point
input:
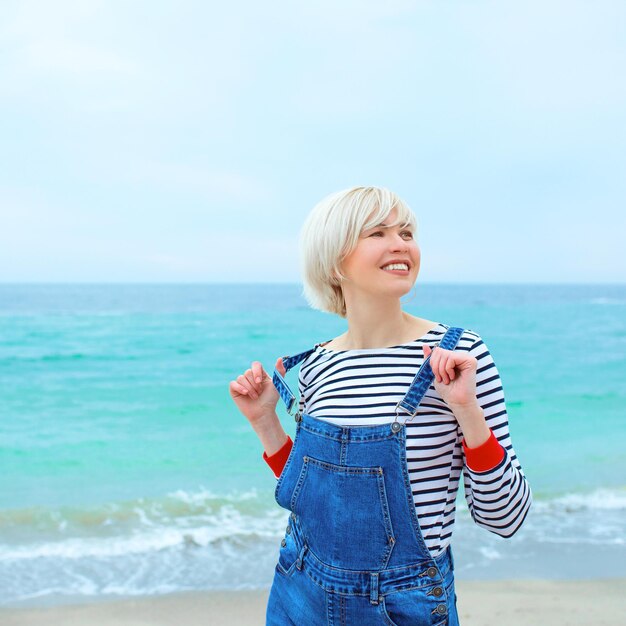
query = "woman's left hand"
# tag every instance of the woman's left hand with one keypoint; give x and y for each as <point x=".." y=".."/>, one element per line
<point x="455" y="376"/>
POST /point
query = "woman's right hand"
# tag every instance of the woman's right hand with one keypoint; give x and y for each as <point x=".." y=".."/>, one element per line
<point x="254" y="392"/>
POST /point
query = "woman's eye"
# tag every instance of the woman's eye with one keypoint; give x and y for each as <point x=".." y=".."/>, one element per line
<point x="404" y="232"/>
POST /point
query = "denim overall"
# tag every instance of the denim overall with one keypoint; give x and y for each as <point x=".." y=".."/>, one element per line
<point x="353" y="552"/>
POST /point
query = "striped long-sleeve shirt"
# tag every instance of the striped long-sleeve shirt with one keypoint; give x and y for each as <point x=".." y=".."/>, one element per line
<point x="362" y="387"/>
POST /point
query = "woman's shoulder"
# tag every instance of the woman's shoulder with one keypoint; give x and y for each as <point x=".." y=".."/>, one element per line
<point x="469" y="337"/>
<point x="331" y="344"/>
<point x="429" y="329"/>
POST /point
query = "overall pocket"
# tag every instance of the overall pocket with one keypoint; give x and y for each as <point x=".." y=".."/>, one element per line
<point x="453" y="614"/>
<point x="412" y="607"/>
<point x="344" y="514"/>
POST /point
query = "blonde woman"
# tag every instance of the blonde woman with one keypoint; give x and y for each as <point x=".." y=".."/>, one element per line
<point x="390" y="414"/>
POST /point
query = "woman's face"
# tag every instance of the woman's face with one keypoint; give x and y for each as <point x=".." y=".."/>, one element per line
<point x="376" y="248"/>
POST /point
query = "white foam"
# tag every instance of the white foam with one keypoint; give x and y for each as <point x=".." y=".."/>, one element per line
<point x="490" y="553"/>
<point x="226" y="526"/>
<point x="599" y="499"/>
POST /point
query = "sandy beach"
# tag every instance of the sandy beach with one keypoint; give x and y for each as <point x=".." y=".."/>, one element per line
<point x="481" y="603"/>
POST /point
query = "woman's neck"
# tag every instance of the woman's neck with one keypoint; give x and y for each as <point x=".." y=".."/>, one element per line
<point x="381" y="331"/>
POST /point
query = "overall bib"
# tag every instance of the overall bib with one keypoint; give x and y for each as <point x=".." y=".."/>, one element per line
<point x="353" y="552"/>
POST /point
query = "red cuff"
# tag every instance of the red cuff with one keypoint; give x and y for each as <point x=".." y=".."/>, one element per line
<point x="486" y="456"/>
<point x="277" y="460"/>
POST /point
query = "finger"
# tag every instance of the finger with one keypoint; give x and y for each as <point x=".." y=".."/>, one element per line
<point x="236" y="389"/>
<point x="434" y="363"/>
<point x="443" y="358"/>
<point x="239" y="389"/>
<point x="249" y="374"/>
<point x="443" y="369"/>
<point x="451" y="367"/>
<point x="247" y="385"/>
<point x="257" y="371"/>
<point x="280" y="366"/>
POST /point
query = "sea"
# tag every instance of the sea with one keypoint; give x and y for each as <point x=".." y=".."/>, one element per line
<point x="127" y="470"/>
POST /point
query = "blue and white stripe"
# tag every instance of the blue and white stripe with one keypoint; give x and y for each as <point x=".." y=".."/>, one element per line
<point x="362" y="387"/>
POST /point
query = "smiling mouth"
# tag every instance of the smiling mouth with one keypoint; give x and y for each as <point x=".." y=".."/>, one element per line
<point x="398" y="272"/>
<point x="386" y="268"/>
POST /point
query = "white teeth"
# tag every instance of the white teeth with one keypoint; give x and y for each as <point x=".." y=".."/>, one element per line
<point x="396" y="266"/>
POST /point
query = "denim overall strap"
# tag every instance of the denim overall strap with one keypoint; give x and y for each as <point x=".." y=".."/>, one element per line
<point x="424" y="378"/>
<point x="281" y="385"/>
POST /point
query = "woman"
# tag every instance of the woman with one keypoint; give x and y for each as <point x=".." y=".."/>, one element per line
<point x="390" y="413"/>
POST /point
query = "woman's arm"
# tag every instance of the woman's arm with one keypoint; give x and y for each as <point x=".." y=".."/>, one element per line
<point x="271" y="433"/>
<point x="276" y="443"/>
<point x="496" y="490"/>
<point x="278" y="460"/>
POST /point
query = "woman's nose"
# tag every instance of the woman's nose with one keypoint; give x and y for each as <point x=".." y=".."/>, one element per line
<point x="400" y="244"/>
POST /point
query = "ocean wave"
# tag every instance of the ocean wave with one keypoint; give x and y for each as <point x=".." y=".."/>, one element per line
<point x="205" y="540"/>
<point x="179" y="519"/>
<point x="596" y="500"/>
<point x="203" y="518"/>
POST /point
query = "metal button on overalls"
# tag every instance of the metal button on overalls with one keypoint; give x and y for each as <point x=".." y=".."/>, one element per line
<point x="358" y="550"/>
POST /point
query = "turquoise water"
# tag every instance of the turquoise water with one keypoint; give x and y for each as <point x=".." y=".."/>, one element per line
<point x="127" y="469"/>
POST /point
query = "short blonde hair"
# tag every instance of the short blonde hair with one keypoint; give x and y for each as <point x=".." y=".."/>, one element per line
<point x="331" y="232"/>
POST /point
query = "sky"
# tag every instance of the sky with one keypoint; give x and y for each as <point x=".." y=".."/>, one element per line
<point x="186" y="141"/>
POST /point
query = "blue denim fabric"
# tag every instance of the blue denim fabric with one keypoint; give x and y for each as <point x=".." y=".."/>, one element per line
<point x="353" y="551"/>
